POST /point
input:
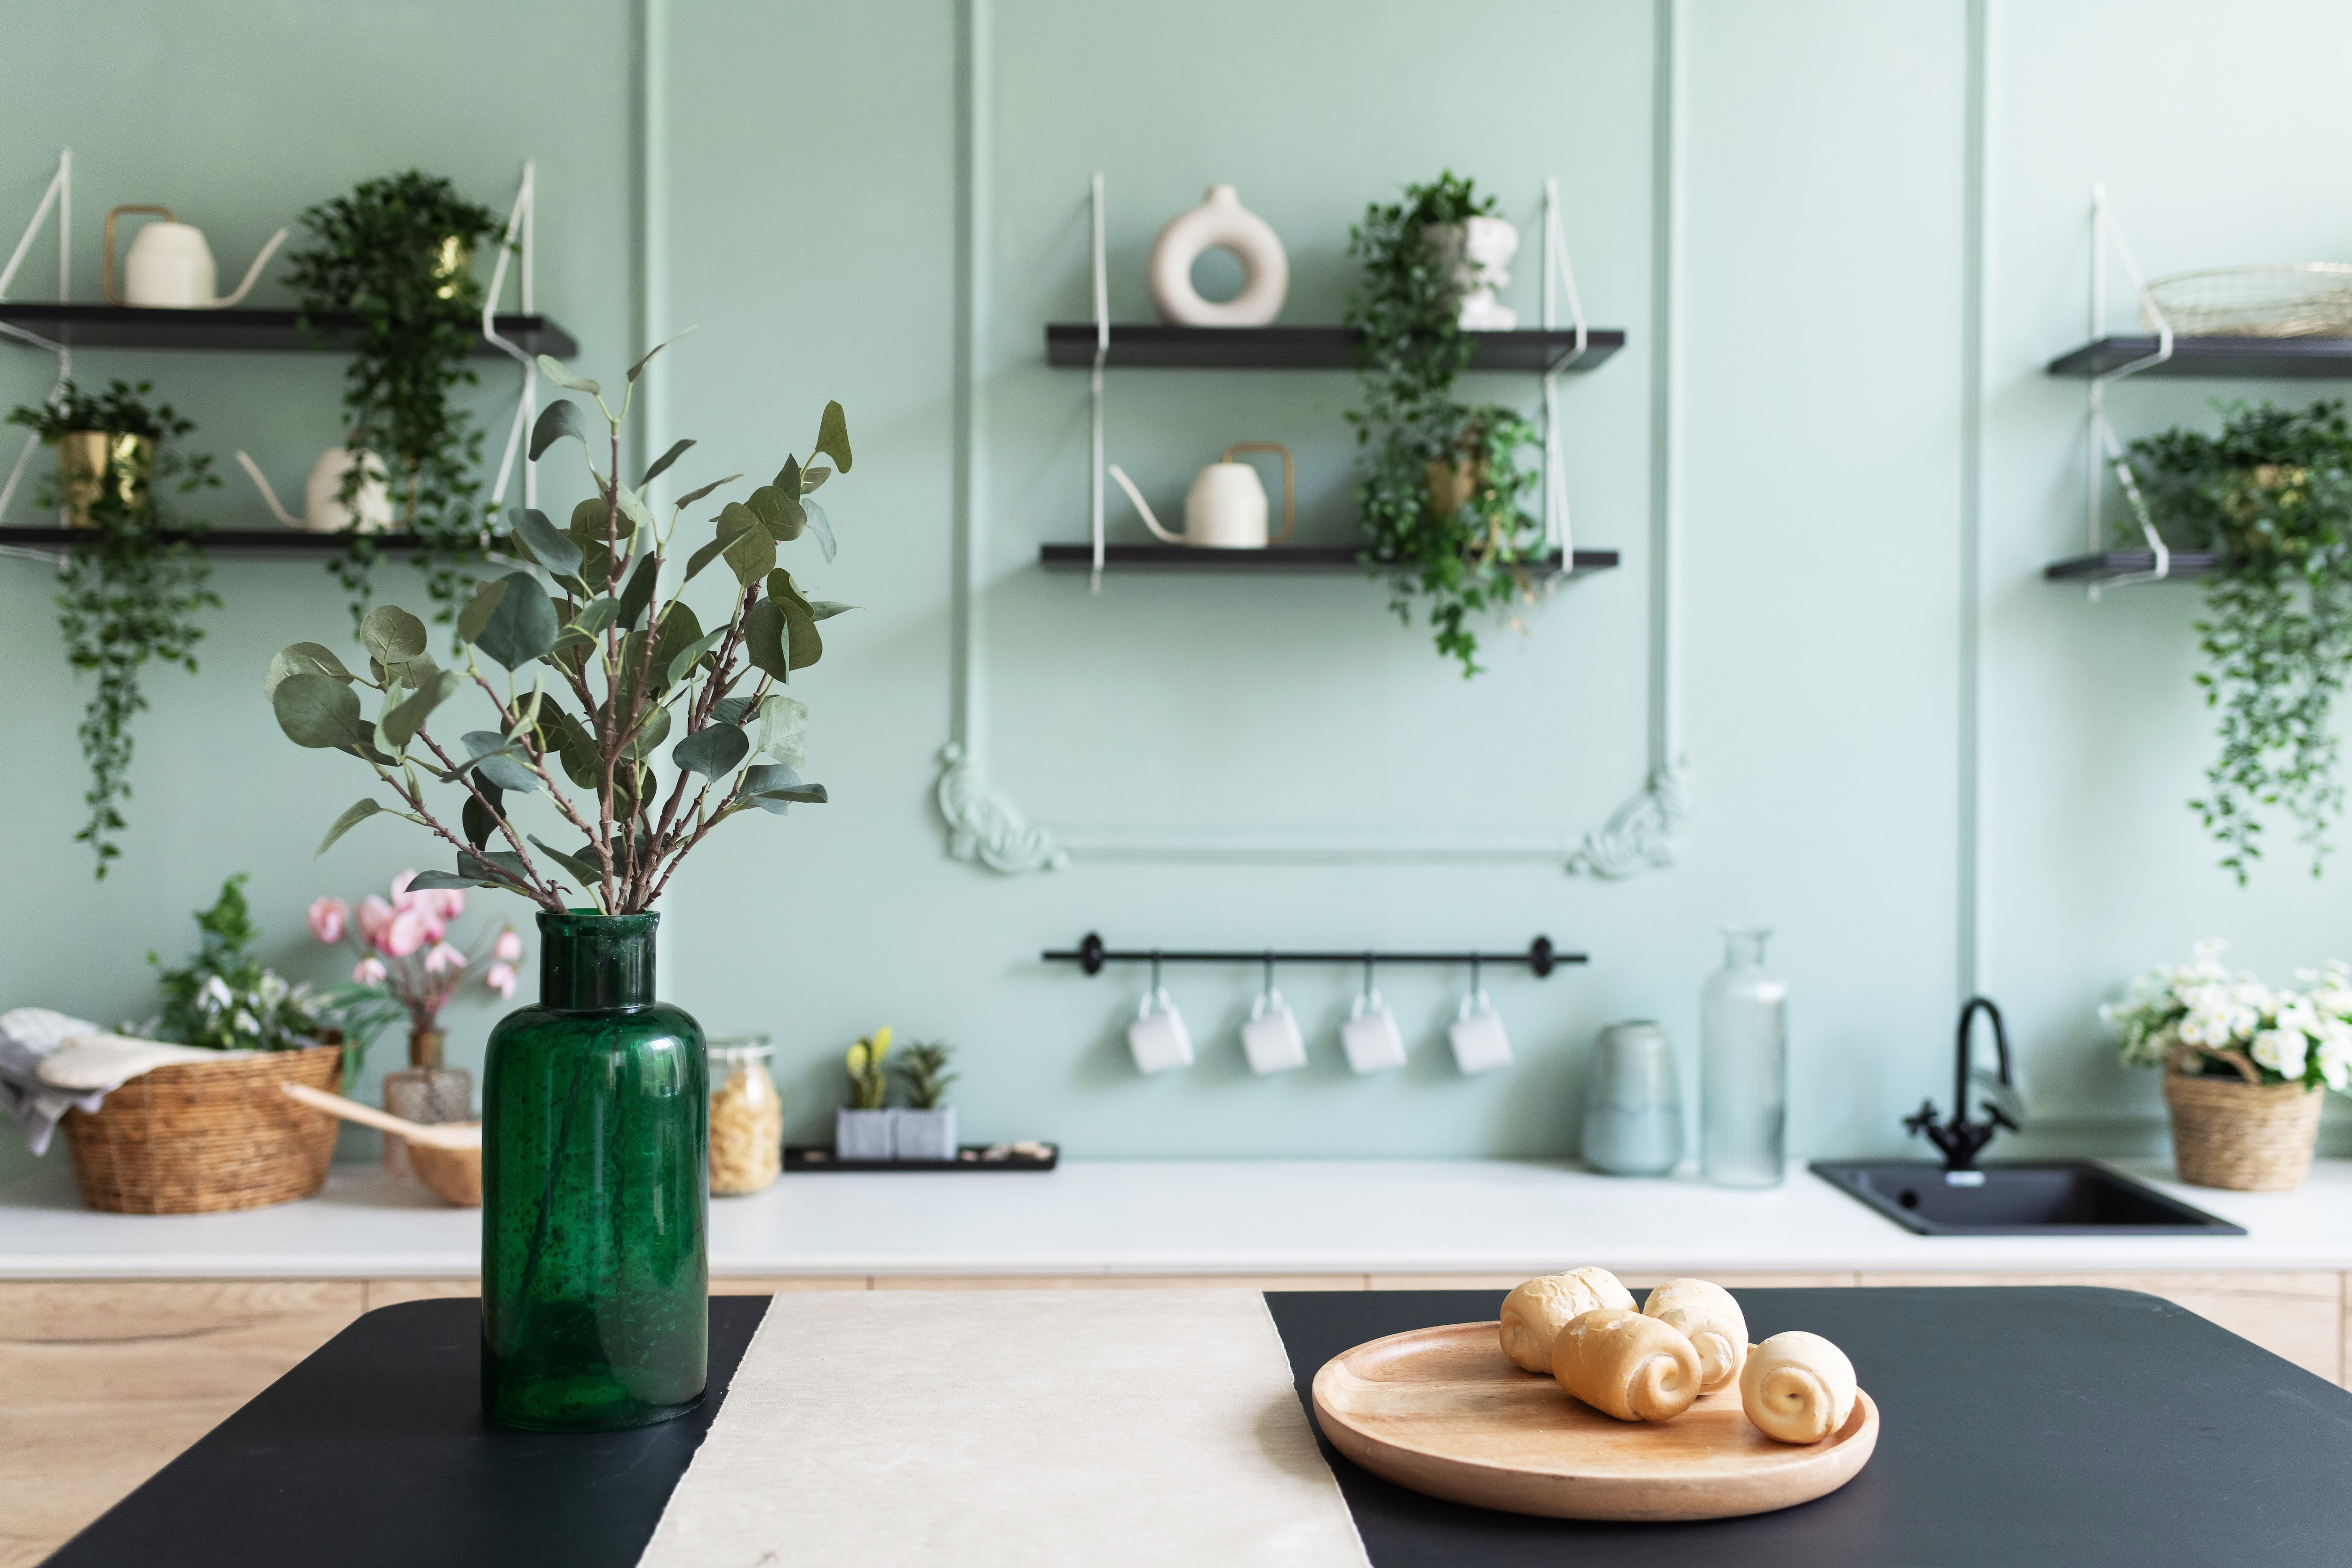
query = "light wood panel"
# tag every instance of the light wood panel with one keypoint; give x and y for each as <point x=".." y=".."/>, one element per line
<point x="776" y="1286"/>
<point x="390" y="1292"/>
<point x="103" y="1383"/>
<point x="1119" y="1282"/>
<point x="2297" y="1315"/>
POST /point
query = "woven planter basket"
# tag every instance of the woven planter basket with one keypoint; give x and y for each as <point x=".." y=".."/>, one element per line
<point x="207" y="1136"/>
<point x="2249" y="1138"/>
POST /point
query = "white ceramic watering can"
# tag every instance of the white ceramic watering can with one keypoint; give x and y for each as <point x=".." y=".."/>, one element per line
<point x="322" y="497"/>
<point x="1226" y="507"/>
<point x="171" y="267"/>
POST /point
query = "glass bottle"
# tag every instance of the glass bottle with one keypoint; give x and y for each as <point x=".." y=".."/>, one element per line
<point x="424" y="1092"/>
<point x="1743" y="1066"/>
<point x="596" y="1116"/>
<point x="747" y="1117"/>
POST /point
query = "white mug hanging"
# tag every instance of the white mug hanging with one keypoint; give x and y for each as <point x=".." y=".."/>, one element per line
<point x="1373" y="1041"/>
<point x="1220" y="220"/>
<point x="1479" y="1043"/>
<point x="1157" y="1038"/>
<point x="1271" y="1039"/>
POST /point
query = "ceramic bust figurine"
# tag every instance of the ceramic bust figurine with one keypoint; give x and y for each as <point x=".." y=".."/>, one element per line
<point x="1219" y="220"/>
<point x="1479" y="250"/>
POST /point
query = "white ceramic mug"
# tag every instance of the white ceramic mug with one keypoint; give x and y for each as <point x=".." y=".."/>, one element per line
<point x="1157" y="1038"/>
<point x="1476" y="1032"/>
<point x="1373" y="1041"/>
<point x="1271" y="1039"/>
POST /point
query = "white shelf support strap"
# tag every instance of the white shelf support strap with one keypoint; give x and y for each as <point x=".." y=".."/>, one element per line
<point x="59" y="196"/>
<point x="1095" y="389"/>
<point x="2106" y="452"/>
<point x="517" y="237"/>
<point x="1557" y="269"/>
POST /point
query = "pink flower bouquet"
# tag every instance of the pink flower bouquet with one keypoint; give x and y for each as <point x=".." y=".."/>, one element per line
<point x="406" y="960"/>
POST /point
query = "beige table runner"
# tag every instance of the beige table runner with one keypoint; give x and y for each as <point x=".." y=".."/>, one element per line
<point x="868" y="1428"/>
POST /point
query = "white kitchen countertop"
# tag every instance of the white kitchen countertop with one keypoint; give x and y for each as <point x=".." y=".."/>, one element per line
<point x="1179" y="1217"/>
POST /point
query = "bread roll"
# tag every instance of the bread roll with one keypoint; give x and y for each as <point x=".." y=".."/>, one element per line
<point x="1797" y="1387"/>
<point x="1711" y="1320"/>
<point x="1624" y="1364"/>
<point x="1534" y="1314"/>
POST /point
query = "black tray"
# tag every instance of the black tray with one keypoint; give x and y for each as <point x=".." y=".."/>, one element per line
<point x="818" y="1158"/>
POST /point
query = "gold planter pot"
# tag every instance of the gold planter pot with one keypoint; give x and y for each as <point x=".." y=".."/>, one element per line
<point x="88" y="460"/>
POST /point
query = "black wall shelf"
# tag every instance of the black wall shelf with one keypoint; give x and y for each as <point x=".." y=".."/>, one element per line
<point x="2237" y="359"/>
<point x="1275" y="559"/>
<point x="2111" y="564"/>
<point x="264" y="543"/>
<point x="251" y="331"/>
<point x="1152" y="346"/>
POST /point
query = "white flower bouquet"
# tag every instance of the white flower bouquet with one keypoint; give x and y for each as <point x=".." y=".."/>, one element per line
<point x="2200" y="1020"/>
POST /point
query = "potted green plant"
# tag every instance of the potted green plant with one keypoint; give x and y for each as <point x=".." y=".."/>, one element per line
<point x="2243" y="1064"/>
<point x="604" y="713"/>
<point x="861" y="1129"/>
<point x="1443" y="490"/>
<point x="134" y="576"/>
<point x="2271" y="497"/>
<point x="924" y="1128"/>
<point x="397" y="258"/>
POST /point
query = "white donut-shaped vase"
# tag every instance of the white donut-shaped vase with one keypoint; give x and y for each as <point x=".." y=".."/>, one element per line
<point x="1220" y="220"/>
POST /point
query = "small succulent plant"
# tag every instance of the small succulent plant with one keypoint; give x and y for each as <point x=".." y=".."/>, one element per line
<point x="869" y="1081"/>
<point x="923" y="1074"/>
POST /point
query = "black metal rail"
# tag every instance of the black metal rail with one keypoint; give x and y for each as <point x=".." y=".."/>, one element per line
<point x="1091" y="955"/>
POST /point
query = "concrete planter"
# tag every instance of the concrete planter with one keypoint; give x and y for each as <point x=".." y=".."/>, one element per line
<point x="924" y="1134"/>
<point x="862" y="1134"/>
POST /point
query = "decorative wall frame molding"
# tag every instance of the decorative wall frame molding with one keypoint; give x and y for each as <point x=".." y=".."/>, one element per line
<point x="985" y="826"/>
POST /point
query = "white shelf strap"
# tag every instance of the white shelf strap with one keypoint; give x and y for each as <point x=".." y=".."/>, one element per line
<point x="2106" y="453"/>
<point x="1556" y="269"/>
<point x="59" y="196"/>
<point x="1095" y="388"/>
<point x="518" y="235"/>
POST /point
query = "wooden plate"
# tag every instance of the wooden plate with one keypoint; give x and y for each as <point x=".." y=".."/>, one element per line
<point x="1443" y="1411"/>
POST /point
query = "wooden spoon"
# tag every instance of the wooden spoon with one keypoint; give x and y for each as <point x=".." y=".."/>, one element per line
<point x="447" y="1156"/>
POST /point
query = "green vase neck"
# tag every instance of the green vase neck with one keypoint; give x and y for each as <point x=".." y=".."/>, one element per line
<point x="589" y="963"/>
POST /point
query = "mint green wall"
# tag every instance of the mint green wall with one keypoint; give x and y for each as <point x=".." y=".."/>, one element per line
<point x="803" y="170"/>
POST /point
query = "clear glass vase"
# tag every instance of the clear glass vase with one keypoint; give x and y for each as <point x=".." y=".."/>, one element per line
<point x="424" y="1091"/>
<point x="1743" y="1036"/>
<point x="595" y="1208"/>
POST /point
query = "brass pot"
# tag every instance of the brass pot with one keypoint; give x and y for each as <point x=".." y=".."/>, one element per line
<point x="1451" y="484"/>
<point x="86" y="461"/>
<point x="451" y="262"/>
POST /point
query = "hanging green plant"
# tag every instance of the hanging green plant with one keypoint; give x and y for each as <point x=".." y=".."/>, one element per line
<point x="134" y="575"/>
<point x="1443" y="487"/>
<point x="2271" y="497"/>
<point x="397" y="254"/>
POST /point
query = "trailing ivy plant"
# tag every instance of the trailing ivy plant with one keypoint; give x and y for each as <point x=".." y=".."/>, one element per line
<point x="396" y="254"/>
<point x="133" y="580"/>
<point x="607" y="716"/>
<point x="1443" y="491"/>
<point x="2271" y="496"/>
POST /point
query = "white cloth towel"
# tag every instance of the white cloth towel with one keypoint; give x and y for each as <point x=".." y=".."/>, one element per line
<point x="1002" y="1427"/>
<point x="97" y="1062"/>
<point x="51" y="1063"/>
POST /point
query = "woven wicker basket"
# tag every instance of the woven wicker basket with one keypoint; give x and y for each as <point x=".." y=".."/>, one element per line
<point x="2249" y="1138"/>
<point x="207" y="1136"/>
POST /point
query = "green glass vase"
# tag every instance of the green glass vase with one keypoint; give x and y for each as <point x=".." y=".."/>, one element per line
<point x="595" y="1143"/>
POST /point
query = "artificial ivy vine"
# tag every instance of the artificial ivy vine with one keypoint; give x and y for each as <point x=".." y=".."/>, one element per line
<point x="134" y="574"/>
<point x="396" y="254"/>
<point x="2271" y="497"/>
<point x="1443" y="489"/>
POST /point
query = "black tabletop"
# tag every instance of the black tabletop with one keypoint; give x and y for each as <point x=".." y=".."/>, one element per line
<point x="2022" y="1427"/>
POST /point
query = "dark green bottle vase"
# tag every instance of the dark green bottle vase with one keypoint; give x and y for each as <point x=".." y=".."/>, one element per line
<point x="595" y="1145"/>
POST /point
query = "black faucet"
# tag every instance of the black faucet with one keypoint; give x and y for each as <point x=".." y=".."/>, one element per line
<point x="1961" y="1139"/>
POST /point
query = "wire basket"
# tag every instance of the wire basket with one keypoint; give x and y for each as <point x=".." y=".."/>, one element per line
<point x="2280" y="299"/>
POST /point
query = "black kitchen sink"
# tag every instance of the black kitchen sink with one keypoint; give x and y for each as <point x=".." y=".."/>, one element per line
<point x="2077" y="1198"/>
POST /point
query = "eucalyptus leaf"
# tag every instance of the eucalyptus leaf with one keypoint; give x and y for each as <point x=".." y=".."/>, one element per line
<point x="499" y="761"/>
<point x="392" y="636"/>
<point x="813" y="476"/>
<point x="478" y="609"/>
<point x="661" y="464"/>
<point x="833" y="436"/>
<point x="680" y="629"/>
<point x="544" y="543"/>
<point x="553" y="370"/>
<point x="319" y="711"/>
<point x="804" y="645"/>
<point x="594" y="616"/>
<point x="731" y="710"/>
<point x="303" y="658"/>
<point x="712" y="750"/>
<point x="480" y="820"/>
<point x="690" y="496"/>
<point x="822" y="526"/>
<point x="399" y="726"/>
<point x="359" y="812"/>
<point x="763" y="783"/>
<point x="651" y="734"/>
<point x="825" y="609"/>
<point x="692" y="653"/>
<point x="638" y="369"/>
<point x="751" y="551"/>
<point x="638" y="593"/>
<point x="520" y="626"/>
<point x="763" y="638"/>
<point x="779" y="511"/>
<point x="485" y="864"/>
<point x="557" y="420"/>
<point x="783" y="729"/>
<point x="633" y="506"/>
<point x="581" y="865"/>
<point x="429" y="881"/>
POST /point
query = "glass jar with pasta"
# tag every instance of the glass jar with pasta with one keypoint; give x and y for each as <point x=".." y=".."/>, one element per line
<point x="747" y="1117"/>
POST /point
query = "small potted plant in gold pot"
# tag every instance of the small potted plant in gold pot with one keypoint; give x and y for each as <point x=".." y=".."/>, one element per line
<point x="2243" y="1064"/>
